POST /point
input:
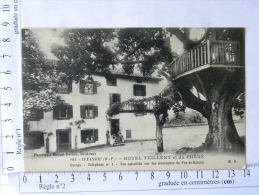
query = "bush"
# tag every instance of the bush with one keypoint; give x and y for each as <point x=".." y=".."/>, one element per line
<point x="187" y="118"/>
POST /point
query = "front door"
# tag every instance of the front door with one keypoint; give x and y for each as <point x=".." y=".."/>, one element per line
<point x="115" y="126"/>
<point x="63" y="140"/>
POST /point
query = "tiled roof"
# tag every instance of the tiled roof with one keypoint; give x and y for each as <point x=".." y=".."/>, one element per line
<point x="120" y="72"/>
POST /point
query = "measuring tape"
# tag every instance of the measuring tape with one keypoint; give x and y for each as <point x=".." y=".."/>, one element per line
<point x="12" y="133"/>
<point x="139" y="180"/>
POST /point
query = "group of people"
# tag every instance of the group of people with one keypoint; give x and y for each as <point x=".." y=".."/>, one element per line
<point x="115" y="137"/>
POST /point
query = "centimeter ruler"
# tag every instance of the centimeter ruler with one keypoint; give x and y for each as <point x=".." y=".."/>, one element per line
<point x="10" y="87"/>
<point x="139" y="180"/>
<point x="12" y="147"/>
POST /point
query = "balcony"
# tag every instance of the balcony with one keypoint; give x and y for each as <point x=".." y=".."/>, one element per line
<point x="226" y="54"/>
<point x="146" y="105"/>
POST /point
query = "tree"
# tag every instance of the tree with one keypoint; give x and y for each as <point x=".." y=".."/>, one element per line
<point x="86" y="51"/>
<point x="147" y="49"/>
<point x="160" y="105"/>
<point x="220" y="86"/>
<point x="39" y="78"/>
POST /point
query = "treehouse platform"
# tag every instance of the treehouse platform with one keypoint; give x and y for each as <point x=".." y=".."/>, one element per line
<point x="210" y="54"/>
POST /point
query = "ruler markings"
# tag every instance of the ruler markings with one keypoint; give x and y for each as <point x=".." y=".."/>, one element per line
<point x="10" y="73"/>
<point x="88" y="181"/>
<point x="144" y="180"/>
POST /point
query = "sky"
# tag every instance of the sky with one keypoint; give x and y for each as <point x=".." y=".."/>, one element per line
<point x="49" y="36"/>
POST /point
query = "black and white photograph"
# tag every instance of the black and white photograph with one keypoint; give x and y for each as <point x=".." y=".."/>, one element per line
<point x="109" y="99"/>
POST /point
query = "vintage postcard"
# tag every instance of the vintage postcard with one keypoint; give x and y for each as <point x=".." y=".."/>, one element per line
<point x="133" y="99"/>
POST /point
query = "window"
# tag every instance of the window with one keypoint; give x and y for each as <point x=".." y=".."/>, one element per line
<point x="36" y="114"/>
<point x="88" y="87"/>
<point x="139" y="80"/>
<point x="111" y="81"/>
<point x="115" y="97"/>
<point x="89" y="111"/>
<point x="128" y="133"/>
<point x="64" y="88"/>
<point x="89" y="135"/>
<point x="63" y="112"/>
<point x="139" y="90"/>
<point x="33" y="140"/>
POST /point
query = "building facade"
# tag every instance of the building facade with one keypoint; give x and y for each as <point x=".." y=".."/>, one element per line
<point x="81" y="122"/>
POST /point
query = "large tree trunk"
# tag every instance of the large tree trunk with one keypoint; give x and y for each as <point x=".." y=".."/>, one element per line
<point x="222" y="135"/>
<point x="220" y="87"/>
<point x="159" y="132"/>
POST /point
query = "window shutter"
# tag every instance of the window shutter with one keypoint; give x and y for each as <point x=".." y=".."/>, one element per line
<point x="69" y="111"/>
<point x="82" y="87"/>
<point x="96" y="138"/>
<point x="108" y="81"/>
<point x="55" y="112"/>
<point x="134" y="90"/>
<point x="95" y="111"/>
<point x="69" y="84"/>
<point x="119" y="97"/>
<point x="82" y="111"/>
<point x="94" y="88"/>
<point x="144" y="90"/>
<point x="110" y="96"/>
<point x="40" y="114"/>
<point x="82" y="136"/>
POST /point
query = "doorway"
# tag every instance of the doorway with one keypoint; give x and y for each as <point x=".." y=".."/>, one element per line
<point x="63" y="140"/>
<point x="115" y="126"/>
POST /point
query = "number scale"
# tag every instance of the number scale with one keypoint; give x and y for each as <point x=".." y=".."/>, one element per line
<point x="11" y="140"/>
<point x="10" y="87"/>
<point x="139" y="180"/>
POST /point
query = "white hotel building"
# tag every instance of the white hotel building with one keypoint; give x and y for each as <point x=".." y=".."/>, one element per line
<point x="56" y="131"/>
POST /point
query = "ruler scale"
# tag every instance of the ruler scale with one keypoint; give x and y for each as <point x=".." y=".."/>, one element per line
<point x="10" y="74"/>
<point x="12" y="148"/>
<point x="139" y="180"/>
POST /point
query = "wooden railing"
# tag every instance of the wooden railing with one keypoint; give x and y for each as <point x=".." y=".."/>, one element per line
<point x="208" y="53"/>
<point x="142" y="106"/>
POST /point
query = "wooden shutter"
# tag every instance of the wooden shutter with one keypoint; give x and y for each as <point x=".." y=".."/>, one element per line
<point x="95" y="109"/>
<point x="108" y="81"/>
<point x="69" y="84"/>
<point x="96" y="138"/>
<point x="119" y="97"/>
<point x="82" y="87"/>
<point x="82" y="136"/>
<point x="144" y="90"/>
<point x="69" y="111"/>
<point x="110" y="96"/>
<point x="82" y="111"/>
<point x="55" y="112"/>
<point x="94" y="87"/>
<point x="40" y="114"/>
<point x="134" y="90"/>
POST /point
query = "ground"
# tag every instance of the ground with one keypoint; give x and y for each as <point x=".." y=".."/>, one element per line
<point x="175" y="138"/>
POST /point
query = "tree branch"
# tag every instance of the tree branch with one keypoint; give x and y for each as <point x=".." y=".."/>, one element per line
<point x="202" y="87"/>
<point x="191" y="101"/>
<point x="168" y="78"/>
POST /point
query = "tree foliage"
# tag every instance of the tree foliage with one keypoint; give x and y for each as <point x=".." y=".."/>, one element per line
<point x="160" y="105"/>
<point x="86" y="51"/>
<point x="39" y="78"/>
